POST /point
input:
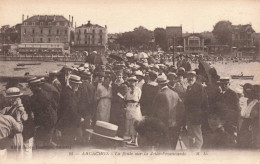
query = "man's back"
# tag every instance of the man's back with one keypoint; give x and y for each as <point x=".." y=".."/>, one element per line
<point x="8" y="125"/>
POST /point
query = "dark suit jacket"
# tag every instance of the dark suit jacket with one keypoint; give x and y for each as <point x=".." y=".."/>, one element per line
<point x="196" y="104"/>
<point x="168" y="107"/>
<point x="87" y="99"/>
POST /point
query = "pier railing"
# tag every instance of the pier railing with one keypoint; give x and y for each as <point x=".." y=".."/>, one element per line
<point x="72" y="58"/>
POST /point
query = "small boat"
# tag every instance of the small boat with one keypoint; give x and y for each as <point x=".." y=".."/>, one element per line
<point x="23" y="64"/>
<point x="242" y="77"/>
<point x="18" y="69"/>
<point x="61" y="65"/>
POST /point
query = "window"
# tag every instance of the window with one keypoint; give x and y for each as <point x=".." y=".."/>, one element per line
<point x="85" y="31"/>
<point x="41" y="40"/>
<point x="25" y="23"/>
<point x="49" y="40"/>
<point x="100" y="36"/>
<point x="100" y="31"/>
<point x="49" y="23"/>
<point x="33" y="40"/>
<point x="25" y="31"/>
<point x="41" y="23"/>
<point x="49" y="31"/>
<point x="93" y="31"/>
<point x="86" y="42"/>
<point x="33" y="31"/>
<point x="65" y="31"/>
<point x="33" y="23"/>
<point x="57" y="39"/>
<point x="79" y="31"/>
<point x="248" y="36"/>
<point x="58" y="31"/>
<point x="41" y="31"/>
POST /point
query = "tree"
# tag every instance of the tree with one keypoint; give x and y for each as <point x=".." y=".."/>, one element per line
<point x="222" y="32"/>
<point x="138" y="38"/>
<point x="160" y="38"/>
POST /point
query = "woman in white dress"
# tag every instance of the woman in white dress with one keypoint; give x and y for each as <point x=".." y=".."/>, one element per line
<point x="133" y="111"/>
<point x="104" y="95"/>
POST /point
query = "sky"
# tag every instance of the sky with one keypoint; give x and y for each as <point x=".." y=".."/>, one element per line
<point x="125" y="15"/>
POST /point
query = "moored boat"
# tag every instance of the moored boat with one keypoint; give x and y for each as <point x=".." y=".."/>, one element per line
<point x="242" y="77"/>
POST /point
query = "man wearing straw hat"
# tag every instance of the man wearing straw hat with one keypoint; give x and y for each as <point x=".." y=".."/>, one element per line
<point x="11" y="120"/>
<point x="70" y="120"/>
<point x="168" y="107"/>
<point x="196" y="105"/>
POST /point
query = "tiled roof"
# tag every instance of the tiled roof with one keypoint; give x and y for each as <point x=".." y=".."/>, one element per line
<point x="241" y="28"/>
<point x="90" y="25"/>
<point x="47" y="18"/>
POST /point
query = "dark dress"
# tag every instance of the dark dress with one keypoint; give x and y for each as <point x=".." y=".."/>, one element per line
<point x="118" y="114"/>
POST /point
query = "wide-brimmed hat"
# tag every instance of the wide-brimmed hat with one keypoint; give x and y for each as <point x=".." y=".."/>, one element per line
<point x="132" y="78"/>
<point x="223" y="80"/>
<point x="75" y="79"/>
<point x="172" y="74"/>
<point x="162" y="79"/>
<point x="191" y="73"/>
<point x="12" y="92"/>
<point x="139" y="73"/>
<point x="105" y="130"/>
<point x="36" y="82"/>
<point x="53" y="73"/>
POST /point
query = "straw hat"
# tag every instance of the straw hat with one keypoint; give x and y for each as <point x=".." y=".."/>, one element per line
<point x="132" y="78"/>
<point x="75" y="79"/>
<point x="12" y="92"/>
<point x="105" y="130"/>
<point x="162" y="79"/>
<point x="36" y="82"/>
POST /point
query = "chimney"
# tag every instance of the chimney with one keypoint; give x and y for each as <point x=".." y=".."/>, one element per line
<point x="27" y="16"/>
<point x="72" y="21"/>
<point x="105" y="26"/>
<point x="88" y="22"/>
<point x="23" y="18"/>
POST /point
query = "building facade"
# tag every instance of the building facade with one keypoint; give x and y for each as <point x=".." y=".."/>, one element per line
<point x="54" y="30"/>
<point x="90" y="37"/>
<point x="194" y="44"/>
<point x="174" y="36"/>
<point x="242" y="36"/>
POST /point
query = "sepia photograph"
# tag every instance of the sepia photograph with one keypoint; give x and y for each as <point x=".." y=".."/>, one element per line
<point x="130" y="81"/>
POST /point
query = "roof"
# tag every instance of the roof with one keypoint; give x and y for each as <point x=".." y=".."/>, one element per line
<point x="90" y="25"/>
<point x="174" y="30"/>
<point x="194" y="34"/>
<point x="47" y="18"/>
<point x="242" y="28"/>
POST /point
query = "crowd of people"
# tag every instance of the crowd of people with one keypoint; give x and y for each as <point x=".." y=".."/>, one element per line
<point x="153" y="105"/>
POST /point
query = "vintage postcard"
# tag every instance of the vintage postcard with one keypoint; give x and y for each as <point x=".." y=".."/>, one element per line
<point x="120" y="81"/>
